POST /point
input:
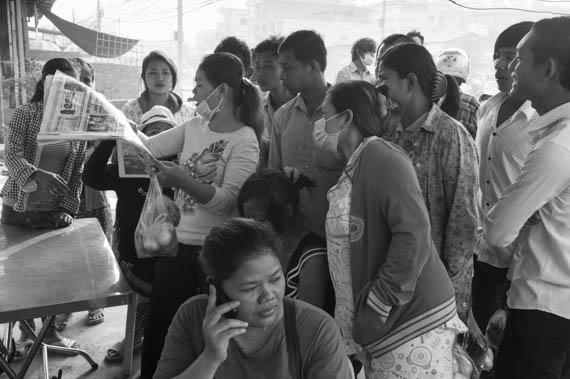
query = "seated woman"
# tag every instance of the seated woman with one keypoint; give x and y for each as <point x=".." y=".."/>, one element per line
<point x="273" y="198"/>
<point x="241" y="256"/>
<point x="395" y="304"/>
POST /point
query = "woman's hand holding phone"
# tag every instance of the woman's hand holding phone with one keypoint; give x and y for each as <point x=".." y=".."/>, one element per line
<point x="218" y="330"/>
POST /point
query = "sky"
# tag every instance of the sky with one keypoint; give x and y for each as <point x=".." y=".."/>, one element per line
<point x="156" y="19"/>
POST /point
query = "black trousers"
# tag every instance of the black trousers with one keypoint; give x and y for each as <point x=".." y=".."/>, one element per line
<point x="535" y="346"/>
<point x="487" y="291"/>
<point x="176" y="280"/>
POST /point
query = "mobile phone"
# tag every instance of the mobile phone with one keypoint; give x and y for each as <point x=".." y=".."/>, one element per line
<point x="382" y="89"/>
<point x="222" y="298"/>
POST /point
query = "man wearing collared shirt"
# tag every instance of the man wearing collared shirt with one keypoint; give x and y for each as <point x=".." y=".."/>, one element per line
<point x="536" y="208"/>
<point x="268" y="75"/>
<point x="362" y="59"/>
<point x="302" y="57"/>
<point x="503" y="143"/>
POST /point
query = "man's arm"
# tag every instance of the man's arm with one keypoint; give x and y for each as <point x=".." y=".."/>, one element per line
<point x="544" y="176"/>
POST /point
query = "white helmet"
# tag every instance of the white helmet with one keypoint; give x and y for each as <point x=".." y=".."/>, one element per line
<point x="454" y="62"/>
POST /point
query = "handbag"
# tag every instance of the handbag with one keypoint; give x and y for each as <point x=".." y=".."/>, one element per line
<point x="292" y="339"/>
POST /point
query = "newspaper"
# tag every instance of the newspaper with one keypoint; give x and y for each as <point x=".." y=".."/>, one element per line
<point x="74" y="111"/>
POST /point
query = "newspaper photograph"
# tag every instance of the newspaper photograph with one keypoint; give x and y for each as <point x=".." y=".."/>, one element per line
<point x="132" y="162"/>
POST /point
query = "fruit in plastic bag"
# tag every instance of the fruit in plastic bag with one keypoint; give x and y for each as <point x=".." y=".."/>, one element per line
<point x="155" y="234"/>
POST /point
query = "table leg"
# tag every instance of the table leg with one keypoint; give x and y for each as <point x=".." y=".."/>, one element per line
<point x="7" y="369"/>
<point x="36" y="345"/>
<point x="45" y="359"/>
<point x="128" y="346"/>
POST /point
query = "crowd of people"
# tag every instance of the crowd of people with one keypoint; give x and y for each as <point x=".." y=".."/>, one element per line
<point x="325" y="229"/>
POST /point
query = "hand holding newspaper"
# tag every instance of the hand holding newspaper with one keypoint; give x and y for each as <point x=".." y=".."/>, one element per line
<point x="74" y="111"/>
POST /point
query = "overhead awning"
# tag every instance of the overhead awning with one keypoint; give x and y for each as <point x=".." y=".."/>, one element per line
<point x="95" y="43"/>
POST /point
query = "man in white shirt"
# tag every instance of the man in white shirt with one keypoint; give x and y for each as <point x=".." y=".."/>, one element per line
<point x="362" y="60"/>
<point x="503" y="144"/>
<point x="536" y="208"/>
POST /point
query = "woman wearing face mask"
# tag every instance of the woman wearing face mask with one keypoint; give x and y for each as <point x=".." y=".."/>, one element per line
<point x="443" y="153"/>
<point x="261" y="338"/>
<point x="394" y="301"/>
<point x="218" y="151"/>
<point x="159" y="77"/>
<point x="363" y="52"/>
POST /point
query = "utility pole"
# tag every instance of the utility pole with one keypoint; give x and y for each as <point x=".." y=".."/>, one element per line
<point x="99" y="15"/>
<point x="180" y="37"/>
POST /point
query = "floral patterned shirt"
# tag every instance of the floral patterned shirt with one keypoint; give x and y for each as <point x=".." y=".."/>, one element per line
<point x="446" y="161"/>
<point x="133" y="112"/>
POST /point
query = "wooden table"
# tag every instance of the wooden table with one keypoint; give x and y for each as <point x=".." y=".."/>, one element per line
<point x="56" y="271"/>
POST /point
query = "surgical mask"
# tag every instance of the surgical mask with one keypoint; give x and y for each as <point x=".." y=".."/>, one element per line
<point x="324" y="139"/>
<point x="368" y="59"/>
<point x="204" y="110"/>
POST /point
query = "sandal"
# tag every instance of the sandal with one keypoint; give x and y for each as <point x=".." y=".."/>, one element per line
<point x="22" y="348"/>
<point x="95" y="316"/>
<point x="67" y="343"/>
<point x="115" y="352"/>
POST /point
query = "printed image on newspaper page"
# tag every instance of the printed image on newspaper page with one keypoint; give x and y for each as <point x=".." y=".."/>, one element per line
<point x="131" y="161"/>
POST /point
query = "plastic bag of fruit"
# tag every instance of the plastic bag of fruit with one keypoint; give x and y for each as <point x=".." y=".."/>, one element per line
<point x="155" y="235"/>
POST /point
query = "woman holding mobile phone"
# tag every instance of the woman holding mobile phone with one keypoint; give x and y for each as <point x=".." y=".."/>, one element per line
<point x="241" y="256"/>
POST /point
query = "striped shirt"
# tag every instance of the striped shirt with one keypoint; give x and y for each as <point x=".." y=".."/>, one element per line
<point x="51" y="157"/>
<point x="467" y="115"/>
<point x="21" y="153"/>
<point x="308" y="248"/>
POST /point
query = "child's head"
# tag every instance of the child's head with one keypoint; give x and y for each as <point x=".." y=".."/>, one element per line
<point x="157" y="120"/>
<point x="272" y="197"/>
<point x="85" y="71"/>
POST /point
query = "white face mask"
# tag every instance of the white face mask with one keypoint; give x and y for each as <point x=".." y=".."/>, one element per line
<point x="368" y="60"/>
<point x="324" y="139"/>
<point x="204" y="110"/>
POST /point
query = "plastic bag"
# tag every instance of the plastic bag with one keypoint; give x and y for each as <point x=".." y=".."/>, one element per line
<point x="496" y="328"/>
<point x="463" y="365"/>
<point x="155" y="235"/>
<point x="475" y="344"/>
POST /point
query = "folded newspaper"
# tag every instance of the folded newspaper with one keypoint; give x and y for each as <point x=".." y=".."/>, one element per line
<point x="74" y="111"/>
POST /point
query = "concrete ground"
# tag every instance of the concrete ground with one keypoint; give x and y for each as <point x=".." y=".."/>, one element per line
<point x="93" y="339"/>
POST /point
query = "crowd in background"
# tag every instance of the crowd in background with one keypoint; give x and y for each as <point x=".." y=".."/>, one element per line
<point x="391" y="207"/>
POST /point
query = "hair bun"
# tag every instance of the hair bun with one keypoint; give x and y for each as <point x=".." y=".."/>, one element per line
<point x="299" y="180"/>
<point x="439" y="86"/>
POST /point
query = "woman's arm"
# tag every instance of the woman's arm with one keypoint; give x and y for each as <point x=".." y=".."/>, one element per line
<point x="19" y="134"/>
<point x="165" y="144"/>
<point x="402" y="205"/>
<point x="99" y="175"/>
<point x="314" y="277"/>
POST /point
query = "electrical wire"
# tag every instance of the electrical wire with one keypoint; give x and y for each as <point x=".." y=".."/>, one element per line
<point x="507" y="9"/>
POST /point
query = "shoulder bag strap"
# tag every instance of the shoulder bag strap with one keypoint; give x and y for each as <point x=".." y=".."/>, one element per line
<point x="292" y="339"/>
